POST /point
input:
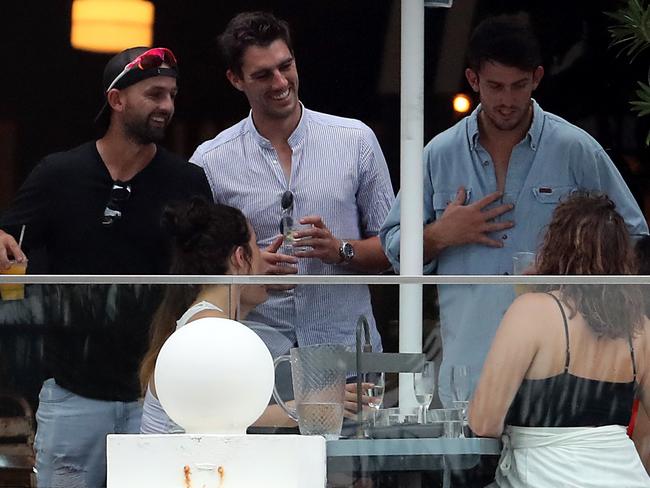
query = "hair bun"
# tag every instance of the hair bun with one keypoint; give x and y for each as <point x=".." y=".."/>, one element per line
<point x="187" y="221"/>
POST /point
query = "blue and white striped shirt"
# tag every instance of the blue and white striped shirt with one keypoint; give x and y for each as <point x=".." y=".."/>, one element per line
<point x="338" y="172"/>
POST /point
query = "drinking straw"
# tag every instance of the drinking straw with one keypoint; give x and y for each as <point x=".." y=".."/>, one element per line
<point x="22" y="234"/>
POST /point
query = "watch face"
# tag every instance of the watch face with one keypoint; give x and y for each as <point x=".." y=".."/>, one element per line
<point x="347" y="251"/>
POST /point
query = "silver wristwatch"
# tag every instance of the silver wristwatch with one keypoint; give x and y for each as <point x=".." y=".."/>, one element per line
<point x="346" y="251"/>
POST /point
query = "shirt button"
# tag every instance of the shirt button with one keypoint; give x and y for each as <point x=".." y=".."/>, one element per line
<point x="504" y="236"/>
<point x="486" y="163"/>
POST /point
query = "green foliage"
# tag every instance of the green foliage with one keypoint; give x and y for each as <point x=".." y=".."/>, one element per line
<point x="631" y="36"/>
<point x="642" y="105"/>
<point x="631" y="33"/>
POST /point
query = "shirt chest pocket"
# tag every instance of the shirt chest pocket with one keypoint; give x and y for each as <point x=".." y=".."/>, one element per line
<point x="552" y="194"/>
<point x="442" y="199"/>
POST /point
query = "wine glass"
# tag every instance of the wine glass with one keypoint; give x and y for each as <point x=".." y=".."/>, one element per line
<point x="424" y="384"/>
<point x="375" y="392"/>
<point x="461" y="388"/>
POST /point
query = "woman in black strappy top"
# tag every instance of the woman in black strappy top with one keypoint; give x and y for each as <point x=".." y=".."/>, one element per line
<point x="565" y="365"/>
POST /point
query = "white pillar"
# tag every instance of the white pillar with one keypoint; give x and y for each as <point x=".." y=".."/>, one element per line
<point x="411" y="133"/>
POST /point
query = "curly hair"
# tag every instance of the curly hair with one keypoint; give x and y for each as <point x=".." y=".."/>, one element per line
<point x="204" y="236"/>
<point x="586" y="236"/>
<point x="250" y="29"/>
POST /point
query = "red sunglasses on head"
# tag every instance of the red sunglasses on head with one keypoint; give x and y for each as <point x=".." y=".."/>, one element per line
<point x="153" y="58"/>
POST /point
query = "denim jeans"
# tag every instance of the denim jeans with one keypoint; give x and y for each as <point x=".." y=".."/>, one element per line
<point x="71" y="435"/>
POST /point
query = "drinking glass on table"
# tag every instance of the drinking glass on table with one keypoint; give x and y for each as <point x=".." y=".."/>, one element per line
<point x="375" y="392"/>
<point x="461" y="388"/>
<point x="424" y="384"/>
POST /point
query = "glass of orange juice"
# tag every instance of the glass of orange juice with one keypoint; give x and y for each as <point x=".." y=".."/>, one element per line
<point x="13" y="291"/>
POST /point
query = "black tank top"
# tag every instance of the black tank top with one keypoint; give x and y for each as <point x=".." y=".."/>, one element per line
<point x="566" y="400"/>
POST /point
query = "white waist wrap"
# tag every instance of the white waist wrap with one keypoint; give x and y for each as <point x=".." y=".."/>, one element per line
<point x="569" y="457"/>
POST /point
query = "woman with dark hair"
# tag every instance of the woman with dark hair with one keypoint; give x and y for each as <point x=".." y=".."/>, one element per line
<point x="208" y="239"/>
<point x="565" y="365"/>
<point x="211" y="239"/>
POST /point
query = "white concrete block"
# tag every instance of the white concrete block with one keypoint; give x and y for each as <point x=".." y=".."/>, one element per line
<point x="216" y="461"/>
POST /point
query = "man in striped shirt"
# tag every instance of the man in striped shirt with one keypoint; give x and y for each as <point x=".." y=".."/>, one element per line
<point x="327" y="173"/>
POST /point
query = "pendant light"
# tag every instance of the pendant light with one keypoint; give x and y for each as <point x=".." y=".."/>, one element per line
<point x="110" y="26"/>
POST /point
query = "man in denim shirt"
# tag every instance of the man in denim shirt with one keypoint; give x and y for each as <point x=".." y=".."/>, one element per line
<point x="491" y="183"/>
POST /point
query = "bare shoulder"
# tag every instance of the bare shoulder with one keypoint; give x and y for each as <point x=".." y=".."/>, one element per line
<point x="533" y="302"/>
<point x="529" y="311"/>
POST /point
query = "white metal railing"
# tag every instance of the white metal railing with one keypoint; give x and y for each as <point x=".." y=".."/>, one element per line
<point x="327" y="279"/>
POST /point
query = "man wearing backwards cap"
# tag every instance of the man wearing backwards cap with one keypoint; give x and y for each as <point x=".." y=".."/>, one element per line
<point x="96" y="210"/>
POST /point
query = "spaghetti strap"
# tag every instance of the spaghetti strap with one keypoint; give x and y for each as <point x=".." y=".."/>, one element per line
<point x="566" y="332"/>
<point x="629" y="338"/>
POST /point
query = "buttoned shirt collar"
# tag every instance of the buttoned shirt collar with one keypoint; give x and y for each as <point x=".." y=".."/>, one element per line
<point x="532" y="136"/>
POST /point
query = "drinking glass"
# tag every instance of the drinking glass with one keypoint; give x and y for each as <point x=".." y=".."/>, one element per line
<point x="461" y="388"/>
<point x="449" y="418"/>
<point x="374" y="392"/>
<point x="523" y="263"/>
<point x="13" y="291"/>
<point x="424" y="384"/>
<point x="288" y="246"/>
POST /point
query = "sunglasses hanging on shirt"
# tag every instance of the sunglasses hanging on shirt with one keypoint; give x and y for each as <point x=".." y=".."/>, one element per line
<point x="119" y="194"/>
<point x="286" y="216"/>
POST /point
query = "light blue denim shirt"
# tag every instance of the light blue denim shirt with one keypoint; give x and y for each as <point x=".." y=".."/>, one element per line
<point x="552" y="160"/>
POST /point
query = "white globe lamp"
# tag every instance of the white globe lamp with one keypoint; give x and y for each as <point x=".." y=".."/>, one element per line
<point x="214" y="376"/>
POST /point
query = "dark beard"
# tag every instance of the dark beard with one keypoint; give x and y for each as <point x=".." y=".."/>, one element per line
<point x="143" y="133"/>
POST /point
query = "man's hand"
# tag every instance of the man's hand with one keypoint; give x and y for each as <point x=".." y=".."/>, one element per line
<point x="279" y="264"/>
<point x="467" y="224"/>
<point x="325" y="246"/>
<point x="350" y="401"/>
<point x="9" y="250"/>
